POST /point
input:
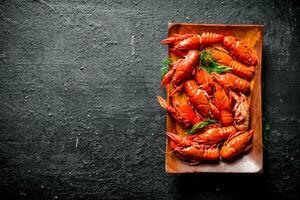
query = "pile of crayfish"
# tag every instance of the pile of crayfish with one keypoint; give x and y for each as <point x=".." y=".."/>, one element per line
<point x="213" y="72"/>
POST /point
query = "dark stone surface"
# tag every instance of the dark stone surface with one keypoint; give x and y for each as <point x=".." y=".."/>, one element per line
<point x="78" y="114"/>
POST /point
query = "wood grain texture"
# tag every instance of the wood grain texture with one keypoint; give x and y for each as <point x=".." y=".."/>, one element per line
<point x="251" y="162"/>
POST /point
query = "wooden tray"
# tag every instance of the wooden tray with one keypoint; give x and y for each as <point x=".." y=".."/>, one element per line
<point x="251" y="162"/>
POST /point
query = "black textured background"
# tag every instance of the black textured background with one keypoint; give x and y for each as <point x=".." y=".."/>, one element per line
<point x="78" y="114"/>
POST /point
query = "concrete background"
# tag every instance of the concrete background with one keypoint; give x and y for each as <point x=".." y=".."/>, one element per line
<point x="78" y="114"/>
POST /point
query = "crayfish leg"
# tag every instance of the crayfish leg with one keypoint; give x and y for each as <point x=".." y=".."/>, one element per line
<point x="248" y="148"/>
<point x="195" y="163"/>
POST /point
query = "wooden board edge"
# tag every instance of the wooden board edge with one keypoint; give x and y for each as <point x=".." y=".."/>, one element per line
<point x="259" y="169"/>
<point x="171" y="24"/>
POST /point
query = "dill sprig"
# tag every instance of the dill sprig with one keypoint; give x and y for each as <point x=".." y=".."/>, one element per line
<point x="201" y="125"/>
<point x="218" y="69"/>
<point x="209" y="64"/>
<point x="166" y="62"/>
<point x="206" y="59"/>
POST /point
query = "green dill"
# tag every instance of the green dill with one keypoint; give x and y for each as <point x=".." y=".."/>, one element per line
<point x="220" y="69"/>
<point x="206" y="59"/>
<point x="166" y="62"/>
<point x="208" y="69"/>
<point x="201" y="125"/>
<point x="209" y="64"/>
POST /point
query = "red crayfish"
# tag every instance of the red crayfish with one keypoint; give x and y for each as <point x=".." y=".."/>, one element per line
<point x="182" y="69"/>
<point x="189" y="150"/>
<point x="236" y="67"/>
<point x="239" y="50"/>
<point x="236" y="144"/>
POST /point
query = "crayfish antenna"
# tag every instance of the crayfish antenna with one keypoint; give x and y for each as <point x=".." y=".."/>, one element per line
<point x="174" y="137"/>
<point x="250" y="134"/>
<point x="248" y="148"/>
<point x="219" y="47"/>
<point x="195" y="163"/>
<point x="163" y="103"/>
<point x="234" y="135"/>
<point x="257" y="139"/>
<point x="177" y="89"/>
<point x="216" y="76"/>
<point x="164" y="151"/>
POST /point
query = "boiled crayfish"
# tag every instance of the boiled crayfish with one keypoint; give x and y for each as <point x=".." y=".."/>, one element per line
<point x="231" y="81"/>
<point x="189" y="150"/>
<point x="180" y="44"/>
<point x="197" y="41"/>
<point x="204" y="80"/>
<point x="183" y="113"/>
<point x="198" y="97"/>
<point x="207" y="87"/>
<point x="236" y="67"/>
<point x="221" y="107"/>
<point x="236" y="144"/>
<point x="182" y="69"/>
<point x="215" y="135"/>
<point x="241" y="111"/>
<point x="239" y="50"/>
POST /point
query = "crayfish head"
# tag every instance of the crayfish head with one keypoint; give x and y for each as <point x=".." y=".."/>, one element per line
<point x="191" y="153"/>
